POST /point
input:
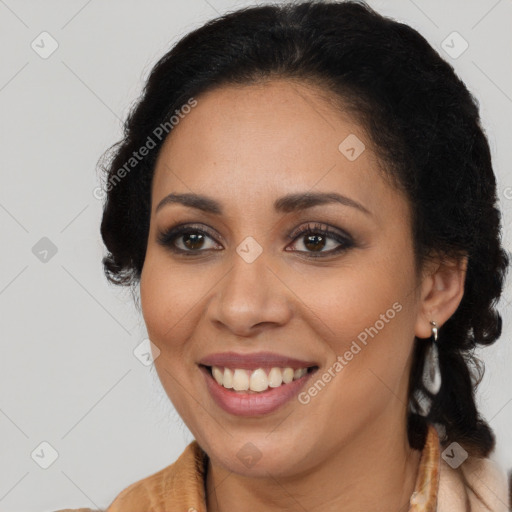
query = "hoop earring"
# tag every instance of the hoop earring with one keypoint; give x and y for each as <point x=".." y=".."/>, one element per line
<point x="431" y="377"/>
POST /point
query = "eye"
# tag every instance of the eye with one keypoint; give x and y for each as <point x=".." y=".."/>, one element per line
<point x="316" y="237"/>
<point x="192" y="239"/>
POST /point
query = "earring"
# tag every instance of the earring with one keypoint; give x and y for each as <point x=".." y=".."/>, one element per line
<point x="431" y="376"/>
<point x="431" y="370"/>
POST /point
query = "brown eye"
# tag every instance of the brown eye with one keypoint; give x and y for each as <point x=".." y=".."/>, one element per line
<point x="315" y="238"/>
<point x="186" y="240"/>
<point x="193" y="240"/>
<point x="315" y="242"/>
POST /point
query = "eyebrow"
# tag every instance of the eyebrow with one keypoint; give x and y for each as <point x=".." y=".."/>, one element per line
<point x="285" y="204"/>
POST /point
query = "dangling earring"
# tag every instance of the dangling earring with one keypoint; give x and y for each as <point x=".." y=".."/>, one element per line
<point x="431" y="376"/>
<point x="431" y="370"/>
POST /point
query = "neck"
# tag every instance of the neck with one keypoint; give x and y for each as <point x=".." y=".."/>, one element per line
<point x="375" y="471"/>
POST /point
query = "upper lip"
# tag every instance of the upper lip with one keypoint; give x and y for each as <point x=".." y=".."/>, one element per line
<point x="255" y="360"/>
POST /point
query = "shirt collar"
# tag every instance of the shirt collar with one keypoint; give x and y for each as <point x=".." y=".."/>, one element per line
<point x="423" y="499"/>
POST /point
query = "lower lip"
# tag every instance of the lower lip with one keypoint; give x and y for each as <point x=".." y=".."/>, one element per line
<point x="253" y="404"/>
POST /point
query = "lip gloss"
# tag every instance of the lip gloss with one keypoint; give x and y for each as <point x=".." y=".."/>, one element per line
<point x="253" y="404"/>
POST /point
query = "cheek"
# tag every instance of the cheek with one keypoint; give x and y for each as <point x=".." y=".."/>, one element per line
<point x="365" y="314"/>
<point x="348" y="300"/>
<point x="169" y="300"/>
<point x="369" y="330"/>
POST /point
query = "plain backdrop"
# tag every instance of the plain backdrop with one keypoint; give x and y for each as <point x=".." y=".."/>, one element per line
<point x="69" y="375"/>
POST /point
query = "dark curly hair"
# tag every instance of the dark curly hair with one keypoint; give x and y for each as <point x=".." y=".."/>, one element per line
<point x="423" y="123"/>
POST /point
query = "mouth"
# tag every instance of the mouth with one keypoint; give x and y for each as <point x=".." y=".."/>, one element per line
<point x="247" y="392"/>
<point x="257" y="381"/>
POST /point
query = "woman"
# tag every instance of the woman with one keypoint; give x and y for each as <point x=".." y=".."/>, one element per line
<point x="305" y="196"/>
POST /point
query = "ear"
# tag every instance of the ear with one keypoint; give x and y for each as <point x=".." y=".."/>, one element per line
<point x="441" y="291"/>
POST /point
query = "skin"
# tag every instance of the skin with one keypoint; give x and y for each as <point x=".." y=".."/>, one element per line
<point x="246" y="146"/>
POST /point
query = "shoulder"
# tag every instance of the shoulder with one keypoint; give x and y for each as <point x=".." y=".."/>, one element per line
<point x="479" y="483"/>
<point x="174" y="487"/>
<point x="489" y="480"/>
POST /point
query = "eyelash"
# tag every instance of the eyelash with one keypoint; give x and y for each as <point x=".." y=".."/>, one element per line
<point x="167" y="238"/>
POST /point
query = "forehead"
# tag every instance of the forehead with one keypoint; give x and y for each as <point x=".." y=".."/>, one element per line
<point x="272" y="138"/>
<point x="234" y="120"/>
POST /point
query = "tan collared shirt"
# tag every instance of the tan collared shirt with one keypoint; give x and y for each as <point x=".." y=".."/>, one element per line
<point x="180" y="487"/>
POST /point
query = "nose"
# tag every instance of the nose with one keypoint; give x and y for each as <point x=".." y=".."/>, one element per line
<point x="250" y="296"/>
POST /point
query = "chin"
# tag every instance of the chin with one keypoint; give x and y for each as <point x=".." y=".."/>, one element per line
<point x="257" y="455"/>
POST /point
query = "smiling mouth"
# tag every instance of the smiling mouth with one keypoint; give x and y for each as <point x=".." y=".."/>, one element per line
<point x="256" y="381"/>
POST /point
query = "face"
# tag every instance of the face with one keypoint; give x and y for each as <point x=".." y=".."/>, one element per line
<point x="324" y="285"/>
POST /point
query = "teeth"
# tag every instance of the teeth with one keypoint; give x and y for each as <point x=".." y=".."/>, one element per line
<point x="217" y="374"/>
<point x="299" y="372"/>
<point x="255" y="380"/>
<point x="287" y="375"/>
<point x="258" y="380"/>
<point x="227" y="378"/>
<point x="275" y="377"/>
<point x="240" y="380"/>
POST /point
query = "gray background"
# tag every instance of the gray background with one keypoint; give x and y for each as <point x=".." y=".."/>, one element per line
<point x="68" y="373"/>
